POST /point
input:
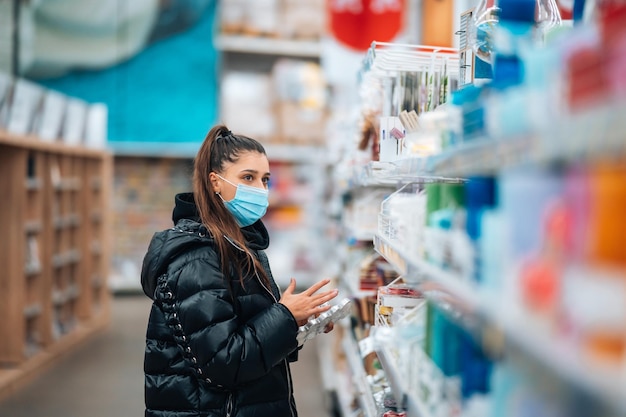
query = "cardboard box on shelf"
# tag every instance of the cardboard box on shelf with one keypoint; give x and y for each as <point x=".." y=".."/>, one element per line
<point x="301" y="125"/>
<point x="232" y="16"/>
<point x="262" y="18"/>
<point x="301" y="106"/>
<point x="246" y="105"/>
<point x="303" y="19"/>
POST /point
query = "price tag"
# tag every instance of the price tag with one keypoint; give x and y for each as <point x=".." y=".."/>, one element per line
<point x="366" y="346"/>
<point x="390" y="148"/>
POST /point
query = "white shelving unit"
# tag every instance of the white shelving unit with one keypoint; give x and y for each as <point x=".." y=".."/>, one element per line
<point x="413" y="406"/>
<point x="361" y="384"/>
<point x="487" y="156"/>
<point x="595" y="133"/>
<point x="268" y="46"/>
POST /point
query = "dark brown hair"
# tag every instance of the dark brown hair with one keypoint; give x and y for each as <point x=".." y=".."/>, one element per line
<point x="219" y="147"/>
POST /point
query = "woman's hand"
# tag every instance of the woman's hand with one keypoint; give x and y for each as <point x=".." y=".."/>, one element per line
<point x="307" y="303"/>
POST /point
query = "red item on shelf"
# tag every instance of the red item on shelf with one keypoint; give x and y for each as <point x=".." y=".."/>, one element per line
<point x="356" y="23"/>
<point x="540" y="285"/>
<point x="612" y="21"/>
<point x="587" y="78"/>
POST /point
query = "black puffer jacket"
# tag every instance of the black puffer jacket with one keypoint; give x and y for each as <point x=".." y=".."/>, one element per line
<point x="210" y="353"/>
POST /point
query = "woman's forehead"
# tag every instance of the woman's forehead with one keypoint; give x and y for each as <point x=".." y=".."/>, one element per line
<point x="249" y="160"/>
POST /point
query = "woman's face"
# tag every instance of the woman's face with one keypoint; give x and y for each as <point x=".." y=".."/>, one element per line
<point x="252" y="168"/>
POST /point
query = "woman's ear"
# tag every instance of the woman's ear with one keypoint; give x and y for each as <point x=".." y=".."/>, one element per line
<point x="215" y="183"/>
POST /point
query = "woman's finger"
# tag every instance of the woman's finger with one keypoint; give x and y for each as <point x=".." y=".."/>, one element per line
<point x="325" y="296"/>
<point x="291" y="287"/>
<point x="315" y="287"/>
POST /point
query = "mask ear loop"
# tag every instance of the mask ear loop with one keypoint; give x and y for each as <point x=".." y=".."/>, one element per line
<point x="248" y="254"/>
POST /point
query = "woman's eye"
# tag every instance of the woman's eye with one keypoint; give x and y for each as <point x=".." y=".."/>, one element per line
<point x="248" y="177"/>
<point x="266" y="180"/>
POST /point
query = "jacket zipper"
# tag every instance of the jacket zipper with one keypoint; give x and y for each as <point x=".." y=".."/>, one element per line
<point x="265" y="288"/>
<point x="289" y="383"/>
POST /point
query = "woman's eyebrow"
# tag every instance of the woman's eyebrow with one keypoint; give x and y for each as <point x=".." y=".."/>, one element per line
<point x="252" y="171"/>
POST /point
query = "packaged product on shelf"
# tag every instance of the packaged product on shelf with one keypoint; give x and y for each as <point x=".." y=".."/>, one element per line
<point x="74" y="122"/>
<point x="303" y="19"/>
<point x="391" y="136"/>
<point x="394" y="301"/>
<point x="96" y="126"/>
<point x="52" y="115"/>
<point x="402" y="219"/>
<point x="262" y="18"/>
<point x="246" y="104"/>
<point x="431" y="136"/>
<point x="232" y="16"/>
<point x="24" y="107"/>
<point x="374" y="272"/>
<point x="301" y="102"/>
<point x="593" y="311"/>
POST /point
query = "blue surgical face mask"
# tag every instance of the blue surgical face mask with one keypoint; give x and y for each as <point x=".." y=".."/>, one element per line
<point x="249" y="204"/>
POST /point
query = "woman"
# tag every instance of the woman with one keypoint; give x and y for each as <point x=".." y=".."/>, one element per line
<point x="220" y="335"/>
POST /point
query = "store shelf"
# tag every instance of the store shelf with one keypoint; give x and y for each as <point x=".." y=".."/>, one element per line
<point x="412" y="405"/>
<point x="33" y="226"/>
<point x="454" y="294"/>
<point x="362" y="386"/>
<point x="396" y="382"/>
<point x="33" y="184"/>
<point x="42" y="270"/>
<point x="590" y="134"/>
<point x="395" y="174"/>
<point x="418" y="270"/>
<point x="268" y="46"/>
<point x="604" y="382"/>
<point x="568" y="140"/>
<point x="32" y="143"/>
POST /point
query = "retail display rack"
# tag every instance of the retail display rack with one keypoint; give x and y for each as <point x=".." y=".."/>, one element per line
<point x="583" y="136"/>
<point x="54" y="257"/>
<point x="441" y="285"/>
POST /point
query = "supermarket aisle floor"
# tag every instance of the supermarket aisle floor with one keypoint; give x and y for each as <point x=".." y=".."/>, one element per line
<point x="104" y="377"/>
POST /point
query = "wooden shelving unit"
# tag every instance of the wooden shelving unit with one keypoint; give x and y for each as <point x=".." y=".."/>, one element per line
<point x="54" y="253"/>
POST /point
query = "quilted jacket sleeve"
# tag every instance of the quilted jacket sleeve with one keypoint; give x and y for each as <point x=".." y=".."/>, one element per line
<point x="220" y="349"/>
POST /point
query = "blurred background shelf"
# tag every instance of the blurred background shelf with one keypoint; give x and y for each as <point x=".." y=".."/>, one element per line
<point x="49" y="302"/>
<point x="268" y="46"/>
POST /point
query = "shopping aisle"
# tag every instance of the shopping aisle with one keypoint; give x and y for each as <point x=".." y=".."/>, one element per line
<point x="104" y="376"/>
